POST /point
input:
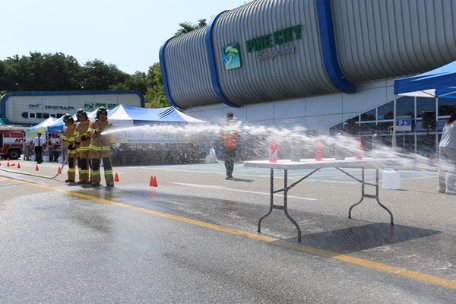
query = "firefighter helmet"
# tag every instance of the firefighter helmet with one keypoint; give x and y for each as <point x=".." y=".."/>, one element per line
<point x="67" y="117"/>
<point x="102" y="110"/>
<point x="81" y="112"/>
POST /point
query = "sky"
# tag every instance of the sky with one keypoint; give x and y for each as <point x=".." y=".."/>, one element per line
<point x="128" y="34"/>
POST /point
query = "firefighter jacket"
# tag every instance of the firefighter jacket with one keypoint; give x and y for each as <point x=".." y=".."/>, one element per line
<point x="80" y="134"/>
<point x="99" y="143"/>
<point x="68" y="138"/>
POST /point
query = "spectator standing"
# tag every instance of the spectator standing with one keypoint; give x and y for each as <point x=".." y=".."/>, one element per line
<point x="39" y="143"/>
<point x="447" y="157"/>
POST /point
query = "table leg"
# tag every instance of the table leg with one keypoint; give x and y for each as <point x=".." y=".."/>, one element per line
<point x="363" y="195"/>
<point x="271" y="199"/>
<point x="285" y="202"/>
<point x="378" y="200"/>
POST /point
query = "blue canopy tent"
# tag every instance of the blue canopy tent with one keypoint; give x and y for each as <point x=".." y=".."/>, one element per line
<point x="127" y="116"/>
<point x="440" y="82"/>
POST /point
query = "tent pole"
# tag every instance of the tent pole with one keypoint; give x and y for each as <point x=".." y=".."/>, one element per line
<point x="393" y="142"/>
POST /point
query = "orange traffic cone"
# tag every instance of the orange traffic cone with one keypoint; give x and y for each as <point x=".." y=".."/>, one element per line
<point x="18" y="165"/>
<point x="7" y="159"/>
<point x="59" y="170"/>
<point x="358" y="153"/>
<point x="7" y="164"/>
<point x="153" y="182"/>
<point x="13" y="164"/>
<point x="116" y="178"/>
<point x="37" y="168"/>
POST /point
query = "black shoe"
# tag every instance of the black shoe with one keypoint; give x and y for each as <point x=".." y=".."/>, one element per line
<point x="229" y="177"/>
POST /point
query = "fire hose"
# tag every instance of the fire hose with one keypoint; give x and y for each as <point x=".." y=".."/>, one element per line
<point x="42" y="176"/>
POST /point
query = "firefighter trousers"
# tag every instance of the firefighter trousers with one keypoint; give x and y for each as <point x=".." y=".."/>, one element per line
<point x="83" y="166"/>
<point x="72" y="167"/>
<point x="107" y="166"/>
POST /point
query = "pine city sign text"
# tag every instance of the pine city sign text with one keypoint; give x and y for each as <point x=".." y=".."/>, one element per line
<point x="269" y="40"/>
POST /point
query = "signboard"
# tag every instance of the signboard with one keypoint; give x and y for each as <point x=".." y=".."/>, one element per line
<point x="403" y="123"/>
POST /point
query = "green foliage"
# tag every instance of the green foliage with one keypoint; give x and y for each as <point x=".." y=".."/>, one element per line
<point x="58" y="72"/>
<point x="187" y="27"/>
<point x="155" y="96"/>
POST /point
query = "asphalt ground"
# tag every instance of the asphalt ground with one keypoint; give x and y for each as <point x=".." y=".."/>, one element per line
<point x="194" y="238"/>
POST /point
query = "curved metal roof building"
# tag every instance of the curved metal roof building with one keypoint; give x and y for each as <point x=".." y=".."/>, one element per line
<point x="273" y="50"/>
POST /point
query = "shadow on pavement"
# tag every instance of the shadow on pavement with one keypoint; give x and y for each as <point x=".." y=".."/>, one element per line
<point x="364" y="237"/>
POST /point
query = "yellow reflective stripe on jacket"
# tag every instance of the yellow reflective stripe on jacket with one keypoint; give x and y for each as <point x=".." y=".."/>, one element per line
<point x="90" y="129"/>
<point x="106" y="148"/>
<point x="93" y="147"/>
<point x="64" y="137"/>
<point x="81" y="148"/>
<point x="108" y="172"/>
<point x="76" y="133"/>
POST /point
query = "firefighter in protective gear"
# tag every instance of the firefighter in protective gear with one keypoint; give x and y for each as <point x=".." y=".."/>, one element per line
<point x="100" y="148"/>
<point x="82" y="152"/>
<point x="69" y="140"/>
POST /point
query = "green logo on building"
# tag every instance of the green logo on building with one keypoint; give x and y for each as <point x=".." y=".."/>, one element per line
<point x="231" y="56"/>
<point x="88" y="107"/>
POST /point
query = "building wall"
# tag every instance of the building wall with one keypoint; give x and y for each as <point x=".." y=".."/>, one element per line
<point x="317" y="113"/>
<point x="30" y="108"/>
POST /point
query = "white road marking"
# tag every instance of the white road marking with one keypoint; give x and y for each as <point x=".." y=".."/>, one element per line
<point x="244" y="191"/>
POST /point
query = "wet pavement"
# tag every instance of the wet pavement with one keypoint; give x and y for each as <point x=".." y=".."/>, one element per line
<point x="194" y="238"/>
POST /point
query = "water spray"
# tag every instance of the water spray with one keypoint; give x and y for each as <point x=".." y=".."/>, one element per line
<point x="290" y="140"/>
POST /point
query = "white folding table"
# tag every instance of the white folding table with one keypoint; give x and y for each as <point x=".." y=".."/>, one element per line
<point x="285" y="165"/>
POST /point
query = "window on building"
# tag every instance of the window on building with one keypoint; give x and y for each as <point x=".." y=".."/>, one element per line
<point x="424" y="104"/>
<point x="25" y="114"/>
<point x="405" y="106"/>
<point x="32" y="115"/>
<point x="446" y="106"/>
<point x="369" y="115"/>
<point x="386" y="111"/>
<point x="46" y="115"/>
<point x="39" y="115"/>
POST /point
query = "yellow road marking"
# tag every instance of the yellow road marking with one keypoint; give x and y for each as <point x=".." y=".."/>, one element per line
<point x="329" y="254"/>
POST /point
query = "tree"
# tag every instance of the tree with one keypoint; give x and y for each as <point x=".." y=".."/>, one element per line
<point x="137" y="81"/>
<point x="187" y="27"/>
<point x="97" y="75"/>
<point x="155" y="96"/>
